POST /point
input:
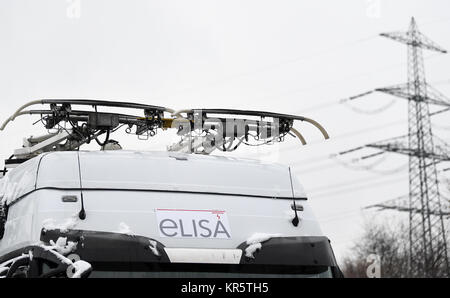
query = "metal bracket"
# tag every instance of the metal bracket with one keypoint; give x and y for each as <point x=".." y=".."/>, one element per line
<point x="42" y="146"/>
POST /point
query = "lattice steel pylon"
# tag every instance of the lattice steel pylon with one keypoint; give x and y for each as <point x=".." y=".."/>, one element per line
<point x="428" y="247"/>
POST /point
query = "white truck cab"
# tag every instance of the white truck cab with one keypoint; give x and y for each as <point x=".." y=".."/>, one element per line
<point x="151" y="213"/>
<point x="65" y="212"/>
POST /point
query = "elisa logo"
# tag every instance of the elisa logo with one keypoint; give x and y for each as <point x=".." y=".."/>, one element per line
<point x="185" y="223"/>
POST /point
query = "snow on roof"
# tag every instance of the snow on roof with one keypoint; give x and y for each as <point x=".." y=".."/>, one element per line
<point x="19" y="181"/>
<point x="136" y="170"/>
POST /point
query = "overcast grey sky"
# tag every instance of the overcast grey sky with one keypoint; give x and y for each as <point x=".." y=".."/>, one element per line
<point x="297" y="57"/>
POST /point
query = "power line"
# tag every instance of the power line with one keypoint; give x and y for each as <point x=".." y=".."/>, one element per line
<point x="286" y="62"/>
<point x="338" y="216"/>
<point x="327" y="104"/>
<point x="347" y="183"/>
<point x="351" y="189"/>
<point x="427" y="235"/>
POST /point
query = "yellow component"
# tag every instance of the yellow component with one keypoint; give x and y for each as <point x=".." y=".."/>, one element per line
<point x="167" y="122"/>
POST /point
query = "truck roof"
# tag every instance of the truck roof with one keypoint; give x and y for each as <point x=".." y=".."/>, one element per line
<point x="154" y="170"/>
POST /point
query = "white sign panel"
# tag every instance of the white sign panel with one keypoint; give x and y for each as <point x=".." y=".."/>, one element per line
<point x="185" y="223"/>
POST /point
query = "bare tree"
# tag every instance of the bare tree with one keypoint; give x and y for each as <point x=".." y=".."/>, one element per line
<point x="389" y="244"/>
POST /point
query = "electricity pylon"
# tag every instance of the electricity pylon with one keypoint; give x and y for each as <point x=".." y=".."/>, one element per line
<point x="428" y="251"/>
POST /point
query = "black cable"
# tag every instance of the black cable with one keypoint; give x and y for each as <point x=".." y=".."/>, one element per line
<point x="106" y="139"/>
